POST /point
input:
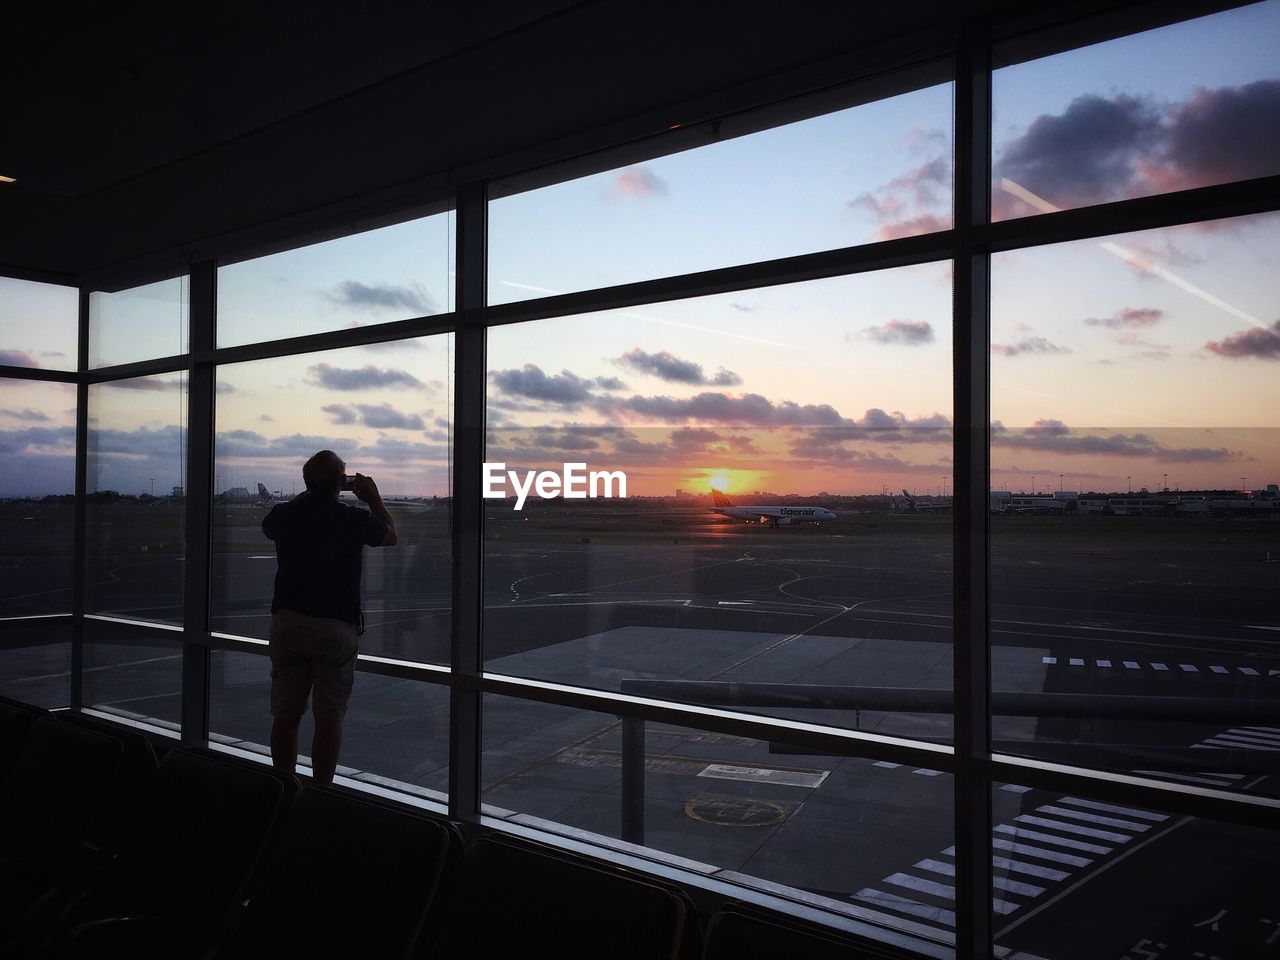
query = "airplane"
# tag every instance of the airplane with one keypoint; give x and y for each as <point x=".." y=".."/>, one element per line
<point x="265" y="497"/>
<point x="775" y="516"/>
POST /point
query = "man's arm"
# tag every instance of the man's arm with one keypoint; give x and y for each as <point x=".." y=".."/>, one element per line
<point x="367" y="492"/>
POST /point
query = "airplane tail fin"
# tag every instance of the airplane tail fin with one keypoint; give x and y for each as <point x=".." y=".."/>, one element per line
<point x="720" y="500"/>
<point x="907" y="495"/>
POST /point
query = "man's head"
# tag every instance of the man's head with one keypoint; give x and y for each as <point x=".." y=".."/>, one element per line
<point x="323" y="473"/>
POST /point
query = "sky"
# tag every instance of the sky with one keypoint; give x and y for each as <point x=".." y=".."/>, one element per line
<point x="1131" y="361"/>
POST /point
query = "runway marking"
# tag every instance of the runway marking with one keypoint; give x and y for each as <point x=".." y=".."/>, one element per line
<point x="790" y="778"/>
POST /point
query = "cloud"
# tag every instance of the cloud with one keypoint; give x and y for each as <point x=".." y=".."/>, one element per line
<point x="412" y="298"/>
<point x="27" y="414"/>
<point x="638" y="182"/>
<point x="1128" y="317"/>
<point x="1107" y="148"/>
<point x="910" y="333"/>
<point x="1054" y="436"/>
<point x="222" y="388"/>
<point x="340" y="414"/>
<point x="564" y="388"/>
<point x="742" y="307"/>
<point x="38" y="440"/>
<point x="387" y="417"/>
<point x="1028" y="345"/>
<point x="667" y="366"/>
<point x="1262" y="343"/>
<point x="266" y="418"/>
<point x="17" y="358"/>
<point x="148" y="384"/>
<point x="367" y="377"/>
<point x="912" y="203"/>
<point x="610" y="383"/>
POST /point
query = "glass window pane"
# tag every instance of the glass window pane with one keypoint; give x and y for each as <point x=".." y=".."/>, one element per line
<point x="137" y="466"/>
<point x="393" y="273"/>
<point x="39" y="324"/>
<point x="844" y="830"/>
<point x="141" y="323"/>
<point x="37" y="496"/>
<point x="872" y="172"/>
<point x="1186" y="886"/>
<point x="812" y="409"/>
<point x="386" y="410"/>
<point x="395" y="734"/>
<point x="1187" y="105"/>
<point x="1135" y="462"/>
<point x="135" y="679"/>
<point x="35" y="664"/>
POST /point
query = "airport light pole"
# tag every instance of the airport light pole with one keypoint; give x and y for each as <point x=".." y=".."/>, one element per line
<point x="1033" y="484"/>
<point x="1131" y="484"/>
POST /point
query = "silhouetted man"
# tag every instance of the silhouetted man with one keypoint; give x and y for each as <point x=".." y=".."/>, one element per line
<point x="316" y="620"/>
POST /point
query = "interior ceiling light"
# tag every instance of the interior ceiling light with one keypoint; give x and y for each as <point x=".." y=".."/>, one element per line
<point x="8" y="179"/>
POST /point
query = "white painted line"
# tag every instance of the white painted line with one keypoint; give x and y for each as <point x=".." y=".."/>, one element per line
<point x="1113" y="808"/>
<point x="1260" y="731"/>
<point x="1131" y="665"/>
<point x="1217" y="669"/>
<point x="927" y="773"/>
<point x="1230" y="743"/>
<point x="1250" y="672"/>
<point x="1103" y="663"/>
<point x="788" y="778"/>
<point x="1073" y="828"/>
<point x="1095" y="818"/>
<point x="1188" y="668"/>
<point x="1027" y="850"/>
<point x="1016" y="886"/>
<point x="1015" y="788"/>
<point x="1250" y="626"/>
<point x="912" y="908"/>
<point x="886" y="764"/>
<point x="937" y="866"/>
<point x="1186" y="777"/>
<point x="1003" y="907"/>
<point x="1050" y="838"/>
<point x="1077" y="662"/>
<point x="1030" y="869"/>
<point x="943" y="891"/>
<point x="1049" y="660"/>
<point x="1159" y="666"/>
<point x="1253" y="735"/>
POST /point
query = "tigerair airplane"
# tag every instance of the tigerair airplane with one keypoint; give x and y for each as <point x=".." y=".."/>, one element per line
<point x="775" y="516"/>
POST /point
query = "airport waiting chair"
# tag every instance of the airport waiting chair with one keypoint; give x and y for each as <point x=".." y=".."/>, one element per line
<point x="520" y="901"/>
<point x="349" y="877"/>
<point x="741" y="932"/>
<point x="189" y="856"/>
<point x="48" y="801"/>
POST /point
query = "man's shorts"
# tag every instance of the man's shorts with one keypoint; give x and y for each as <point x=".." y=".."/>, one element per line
<point x="311" y="652"/>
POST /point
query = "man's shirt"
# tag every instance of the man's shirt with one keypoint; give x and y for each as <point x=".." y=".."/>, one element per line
<point x="318" y="552"/>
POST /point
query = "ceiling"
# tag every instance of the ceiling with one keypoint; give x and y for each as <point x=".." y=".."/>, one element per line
<point x="140" y="136"/>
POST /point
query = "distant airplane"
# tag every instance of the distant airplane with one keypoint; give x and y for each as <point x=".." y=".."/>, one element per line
<point x="925" y="506"/>
<point x="265" y="497"/>
<point x="775" y="516"/>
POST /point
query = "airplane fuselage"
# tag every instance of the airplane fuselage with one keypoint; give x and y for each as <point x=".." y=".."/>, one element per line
<point x="776" y="515"/>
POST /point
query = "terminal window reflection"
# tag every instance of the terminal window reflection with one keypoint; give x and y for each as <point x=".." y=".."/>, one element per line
<point x="39" y="324"/>
<point x="1187" y="105"/>
<point x="386" y="410"/>
<point x="137" y="462"/>
<point x="1135" y="501"/>
<point x="787" y="518"/>
<point x="37" y="496"/>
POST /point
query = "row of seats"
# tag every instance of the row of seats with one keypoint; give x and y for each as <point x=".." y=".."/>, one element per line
<point x="107" y="851"/>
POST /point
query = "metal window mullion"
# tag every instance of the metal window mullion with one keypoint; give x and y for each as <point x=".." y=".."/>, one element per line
<point x="79" y="544"/>
<point x="198" y="515"/>
<point x="971" y="571"/>
<point x="466" y="659"/>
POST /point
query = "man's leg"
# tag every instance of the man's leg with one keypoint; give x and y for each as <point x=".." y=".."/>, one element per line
<point x="325" y="746"/>
<point x="284" y="743"/>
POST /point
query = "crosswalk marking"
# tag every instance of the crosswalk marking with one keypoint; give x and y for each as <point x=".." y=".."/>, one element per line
<point x="1249" y="672"/>
<point x="1050" y="838"/>
<point x="1094" y="818"/>
<point x="1105" y="663"/>
<point x="1113" y="808"/>
<point x="1219" y="669"/>
<point x="1131" y="665"/>
<point x="1071" y="828"/>
<point x="1188" y="667"/>
<point x="905" y="905"/>
<point x="1159" y="666"/>
<point x="1027" y="850"/>
<point x="943" y="891"/>
<point x="1030" y="869"/>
